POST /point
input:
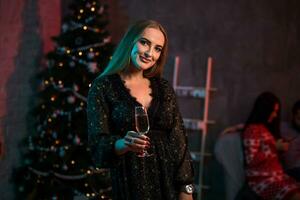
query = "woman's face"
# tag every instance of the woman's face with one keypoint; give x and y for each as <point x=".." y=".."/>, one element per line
<point x="274" y="113"/>
<point x="146" y="51"/>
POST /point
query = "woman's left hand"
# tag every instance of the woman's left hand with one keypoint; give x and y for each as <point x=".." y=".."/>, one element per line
<point x="282" y="145"/>
<point x="184" y="196"/>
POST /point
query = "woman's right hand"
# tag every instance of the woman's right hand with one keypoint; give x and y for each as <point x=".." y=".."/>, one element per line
<point x="132" y="141"/>
<point x="136" y="142"/>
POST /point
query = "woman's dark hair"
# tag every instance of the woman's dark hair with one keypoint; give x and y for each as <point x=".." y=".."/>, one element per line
<point x="262" y="109"/>
<point x="296" y="107"/>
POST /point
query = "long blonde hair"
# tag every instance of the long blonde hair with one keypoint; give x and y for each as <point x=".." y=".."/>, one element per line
<point x="121" y="58"/>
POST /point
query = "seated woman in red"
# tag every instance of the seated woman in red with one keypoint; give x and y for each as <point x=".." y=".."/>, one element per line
<point x="264" y="172"/>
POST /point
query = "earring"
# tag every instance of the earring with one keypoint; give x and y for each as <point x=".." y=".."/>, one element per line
<point x="128" y="62"/>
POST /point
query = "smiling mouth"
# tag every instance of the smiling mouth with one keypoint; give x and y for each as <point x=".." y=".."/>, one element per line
<point x="143" y="59"/>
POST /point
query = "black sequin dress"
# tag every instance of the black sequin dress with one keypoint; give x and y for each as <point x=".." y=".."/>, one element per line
<point x="111" y="114"/>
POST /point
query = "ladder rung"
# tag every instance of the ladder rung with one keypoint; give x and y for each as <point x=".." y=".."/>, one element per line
<point x="187" y="91"/>
<point x="196" y="156"/>
<point x="195" y="124"/>
<point x="190" y="91"/>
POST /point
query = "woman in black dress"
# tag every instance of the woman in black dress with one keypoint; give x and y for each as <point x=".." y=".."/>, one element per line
<point x="133" y="78"/>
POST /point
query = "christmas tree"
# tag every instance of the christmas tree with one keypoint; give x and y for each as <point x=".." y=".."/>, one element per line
<point x="56" y="162"/>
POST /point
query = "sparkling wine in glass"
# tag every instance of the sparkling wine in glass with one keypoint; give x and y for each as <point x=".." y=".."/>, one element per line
<point x="142" y="124"/>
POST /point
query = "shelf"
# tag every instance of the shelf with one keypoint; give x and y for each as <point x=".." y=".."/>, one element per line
<point x="189" y="91"/>
<point x="197" y="155"/>
<point x="195" y="124"/>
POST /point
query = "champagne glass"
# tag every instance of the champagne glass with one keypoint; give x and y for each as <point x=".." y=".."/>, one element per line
<point x="142" y="124"/>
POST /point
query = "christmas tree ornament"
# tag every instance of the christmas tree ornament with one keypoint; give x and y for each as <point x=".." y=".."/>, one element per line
<point x="64" y="28"/>
<point x="62" y="152"/>
<point x="54" y="135"/>
<point x="71" y="99"/>
<point x="92" y="67"/>
<point x="77" y="140"/>
<point x="101" y="10"/>
<point x="72" y="64"/>
<point x="75" y="87"/>
<point x="91" y="55"/>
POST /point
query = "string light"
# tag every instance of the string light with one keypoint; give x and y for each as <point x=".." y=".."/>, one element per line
<point x="80" y="53"/>
<point x="83" y="48"/>
<point x="91" y="49"/>
<point x="61" y="64"/>
<point x="85" y="28"/>
<point x="53" y="98"/>
<point x="81" y="11"/>
<point x="72" y="162"/>
<point x="78" y="17"/>
<point x="92" y="9"/>
<point x="86" y="185"/>
<point x="88" y="195"/>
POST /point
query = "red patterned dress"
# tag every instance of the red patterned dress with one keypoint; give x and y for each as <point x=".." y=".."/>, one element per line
<point x="264" y="172"/>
